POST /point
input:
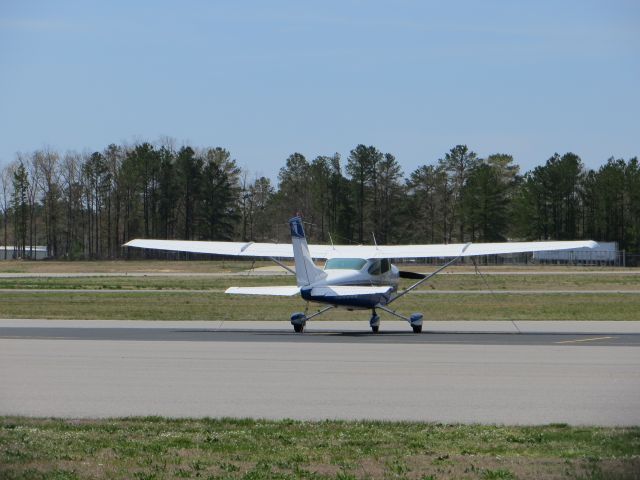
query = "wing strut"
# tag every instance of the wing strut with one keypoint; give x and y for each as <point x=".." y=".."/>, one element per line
<point x="282" y="265"/>
<point x="420" y="282"/>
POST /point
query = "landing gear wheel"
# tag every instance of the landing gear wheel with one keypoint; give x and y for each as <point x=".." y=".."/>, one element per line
<point x="298" y="328"/>
<point x="374" y="323"/>
<point x="417" y="328"/>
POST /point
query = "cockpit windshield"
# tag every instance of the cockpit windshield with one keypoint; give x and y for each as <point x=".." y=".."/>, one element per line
<point x="344" y="264"/>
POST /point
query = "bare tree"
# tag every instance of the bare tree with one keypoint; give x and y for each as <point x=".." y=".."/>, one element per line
<point x="71" y="178"/>
<point x="246" y="206"/>
<point x="48" y="181"/>
<point x="19" y="205"/>
<point x="114" y="156"/>
<point x="6" y="185"/>
<point x="33" y="173"/>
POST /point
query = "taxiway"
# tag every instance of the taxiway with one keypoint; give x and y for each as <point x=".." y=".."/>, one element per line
<point x="487" y="372"/>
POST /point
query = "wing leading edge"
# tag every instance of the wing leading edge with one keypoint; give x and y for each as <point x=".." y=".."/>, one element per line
<point x="285" y="250"/>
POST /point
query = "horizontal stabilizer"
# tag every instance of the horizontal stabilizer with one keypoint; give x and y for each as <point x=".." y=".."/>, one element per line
<point x="337" y="291"/>
<point x="284" y="291"/>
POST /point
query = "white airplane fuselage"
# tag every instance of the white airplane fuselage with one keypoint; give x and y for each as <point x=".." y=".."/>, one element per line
<point x="354" y="272"/>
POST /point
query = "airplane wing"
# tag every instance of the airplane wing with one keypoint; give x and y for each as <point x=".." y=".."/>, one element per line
<point x="285" y="250"/>
<point x="473" y="249"/>
<point x="284" y="291"/>
<point x="240" y="249"/>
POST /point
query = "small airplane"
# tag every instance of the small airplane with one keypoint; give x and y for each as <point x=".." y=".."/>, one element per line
<point x="355" y="277"/>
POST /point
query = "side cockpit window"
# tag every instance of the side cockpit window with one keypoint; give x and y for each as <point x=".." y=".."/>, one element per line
<point x="344" y="264"/>
<point x="378" y="267"/>
<point x="385" y="265"/>
<point x="374" y="268"/>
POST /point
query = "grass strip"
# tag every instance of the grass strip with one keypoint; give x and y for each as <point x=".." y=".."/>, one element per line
<point x="215" y="264"/>
<point x="442" y="282"/>
<point x="219" y="306"/>
<point x="158" y="448"/>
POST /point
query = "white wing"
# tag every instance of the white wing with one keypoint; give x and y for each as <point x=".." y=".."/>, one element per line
<point x="474" y="249"/>
<point x="284" y="250"/>
<point x="238" y="249"/>
<point x="285" y="291"/>
<point x="241" y="249"/>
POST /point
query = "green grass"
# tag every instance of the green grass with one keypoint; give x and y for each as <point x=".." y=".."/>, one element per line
<point x="441" y="282"/>
<point x="177" y="302"/>
<point x="214" y="264"/>
<point x="256" y="449"/>
<point x="220" y="306"/>
<point x="145" y="283"/>
<point x="536" y="282"/>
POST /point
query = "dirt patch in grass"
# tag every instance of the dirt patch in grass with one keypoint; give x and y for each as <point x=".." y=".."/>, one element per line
<point x="133" y="266"/>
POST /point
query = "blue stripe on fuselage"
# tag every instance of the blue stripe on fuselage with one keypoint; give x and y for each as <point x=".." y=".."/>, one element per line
<point x="367" y="300"/>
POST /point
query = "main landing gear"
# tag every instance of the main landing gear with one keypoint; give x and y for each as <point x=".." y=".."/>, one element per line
<point x="299" y="319"/>
<point x="415" y="320"/>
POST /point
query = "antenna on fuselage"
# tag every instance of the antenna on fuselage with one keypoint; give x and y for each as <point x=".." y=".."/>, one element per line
<point x="374" y="239"/>
<point x="331" y="240"/>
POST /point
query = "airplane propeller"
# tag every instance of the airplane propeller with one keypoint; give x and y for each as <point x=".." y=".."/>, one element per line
<point x="413" y="275"/>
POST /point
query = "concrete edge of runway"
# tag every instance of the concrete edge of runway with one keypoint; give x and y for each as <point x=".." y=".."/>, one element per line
<point x="466" y="326"/>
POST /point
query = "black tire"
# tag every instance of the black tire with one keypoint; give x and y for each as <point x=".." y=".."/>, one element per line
<point x="375" y="329"/>
<point x="417" y="328"/>
<point x="298" y="328"/>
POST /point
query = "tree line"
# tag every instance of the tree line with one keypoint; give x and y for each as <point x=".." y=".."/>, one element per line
<point x="86" y="205"/>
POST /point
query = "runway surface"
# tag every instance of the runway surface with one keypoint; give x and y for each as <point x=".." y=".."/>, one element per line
<point x="285" y="335"/>
<point x="573" y="372"/>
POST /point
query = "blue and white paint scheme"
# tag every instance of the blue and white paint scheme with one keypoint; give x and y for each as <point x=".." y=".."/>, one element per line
<point x="354" y="277"/>
<point x="351" y="283"/>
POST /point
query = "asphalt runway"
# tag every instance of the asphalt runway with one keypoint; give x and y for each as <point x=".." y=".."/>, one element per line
<point x="486" y="372"/>
<point x="286" y="335"/>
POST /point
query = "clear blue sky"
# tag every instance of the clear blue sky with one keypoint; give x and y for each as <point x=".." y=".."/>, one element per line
<point x="265" y="79"/>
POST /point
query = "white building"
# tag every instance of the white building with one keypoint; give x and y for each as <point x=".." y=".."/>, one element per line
<point x="605" y="252"/>
<point x="39" y="252"/>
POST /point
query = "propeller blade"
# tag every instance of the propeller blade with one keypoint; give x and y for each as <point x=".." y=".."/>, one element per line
<point x="413" y="275"/>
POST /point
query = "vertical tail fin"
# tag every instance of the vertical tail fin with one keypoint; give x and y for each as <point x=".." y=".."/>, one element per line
<point x="306" y="271"/>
